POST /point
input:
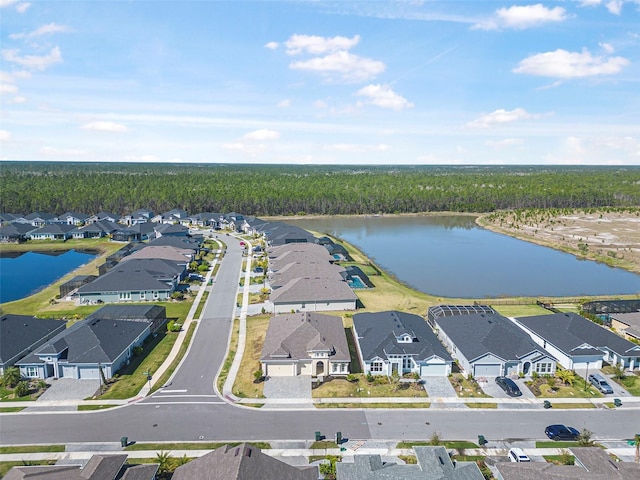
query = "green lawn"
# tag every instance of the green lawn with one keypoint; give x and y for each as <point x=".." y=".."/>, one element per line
<point x="558" y="444"/>
<point x="87" y="408"/>
<point x="521" y="310"/>
<point x="188" y="446"/>
<point x="174" y="364"/>
<point x="32" y="449"/>
<point x="6" y="466"/>
<point x="631" y="382"/>
<point x="453" y="444"/>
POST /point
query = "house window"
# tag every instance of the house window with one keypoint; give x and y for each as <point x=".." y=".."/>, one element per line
<point x="32" y="372"/>
<point x="125" y="295"/>
<point x="376" y="367"/>
<point x="544" y="367"/>
<point x="334" y="367"/>
<point x="143" y="295"/>
<point x="407" y="364"/>
<point x="343" y="367"/>
<point x="156" y="295"/>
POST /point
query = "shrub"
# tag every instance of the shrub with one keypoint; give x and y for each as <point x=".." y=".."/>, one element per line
<point x="352" y="378"/>
<point x="22" y="389"/>
<point x="370" y="377"/>
<point x="174" y="326"/>
<point x="137" y="351"/>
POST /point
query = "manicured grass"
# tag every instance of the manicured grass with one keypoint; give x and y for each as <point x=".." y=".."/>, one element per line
<point x="566" y="406"/>
<point x="470" y="388"/>
<point x="408" y="459"/>
<point x="580" y="389"/>
<point x="521" y="310"/>
<point x="560" y="459"/>
<point x="233" y="346"/>
<point x="11" y="409"/>
<point x="631" y="383"/>
<point x="454" y="445"/>
<point x="558" y="444"/>
<point x="87" y="408"/>
<point x="372" y="405"/>
<point x="132" y="378"/>
<point x="323" y="444"/>
<point x="482" y="405"/>
<point x="245" y="385"/>
<point x="6" y="466"/>
<point x="381" y="387"/>
<point x="188" y="446"/>
<point x="32" y="449"/>
<point x="203" y="301"/>
<point x="174" y="364"/>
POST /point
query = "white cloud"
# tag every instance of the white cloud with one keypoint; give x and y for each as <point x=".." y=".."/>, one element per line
<point x="521" y="17"/>
<point x="316" y="45"/>
<point x="286" y="103"/>
<point x="345" y="65"/>
<point x="104" y="127"/>
<point x="383" y="96"/>
<point x="43" y="30"/>
<point x="6" y="3"/>
<point x="320" y="104"/>
<point x="271" y="45"/>
<point x="607" y="47"/>
<point x="8" y="88"/>
<point x="589" y="3"/>
<point x="22" y="7"/>
<point x="33" y="62"/>
<point x="261" y="135"/>
<point x="506" y="142"/>
<point x="614" y="6"/>
<point x="18" y="99"/>
<point x="62" y="152"/>
<point x="4" y="135"/>
<point x="564" y="64"/>
<point x="501" y="116"/>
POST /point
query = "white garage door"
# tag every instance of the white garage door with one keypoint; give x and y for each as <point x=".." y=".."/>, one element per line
<point x="69" y="372"/>
<point x="486" y="370"/>
<point x="88" y="372"/>
<point x="433" y="370"/>
<point x="279" y="371"/>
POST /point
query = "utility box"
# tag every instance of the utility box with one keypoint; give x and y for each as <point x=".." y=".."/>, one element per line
<point x="124" y="441"/>
<point x="338" y="438"/>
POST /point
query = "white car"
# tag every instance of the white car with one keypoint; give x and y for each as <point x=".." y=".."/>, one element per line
<point x="518" y="455"/>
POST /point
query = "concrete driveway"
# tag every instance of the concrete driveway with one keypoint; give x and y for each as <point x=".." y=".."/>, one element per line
<point x="65" y="389"/>
<point x="438" y="387"/>
<point x="491" y="388"/>
<point x="288" y="387"/>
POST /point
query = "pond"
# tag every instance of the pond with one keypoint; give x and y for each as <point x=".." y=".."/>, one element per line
<point x="451" y="256"/>
<point x="23" y="274"/>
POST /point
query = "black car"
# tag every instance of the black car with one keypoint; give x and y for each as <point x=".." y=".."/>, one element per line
<point x="561" y="432"/>
<point x="508" y="386"/>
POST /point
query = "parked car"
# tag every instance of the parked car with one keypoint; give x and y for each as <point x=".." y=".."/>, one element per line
<point x="518" y="455"/>
<point x="561" y="432"/>
<point x="509" y="386"/>
<point x="600" y="383"/>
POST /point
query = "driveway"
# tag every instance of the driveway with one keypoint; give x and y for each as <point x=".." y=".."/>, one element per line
<point x="64" y="391"/>
<point x="438" y="387"/>
<point x="491" y="388"/>
<point x="618" y="390"/>
<point x="288" y="387"/>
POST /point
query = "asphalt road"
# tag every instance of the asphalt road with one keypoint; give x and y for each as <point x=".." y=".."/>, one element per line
<point x="189" y="410"/>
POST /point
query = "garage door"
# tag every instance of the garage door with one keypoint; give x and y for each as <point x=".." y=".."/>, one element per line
<point x="279" y="371"/>
<point x="486" y="370"/>
<point x="88" y="372"/>
<point x="433" y="370"/>
<point x="69" y="372"/>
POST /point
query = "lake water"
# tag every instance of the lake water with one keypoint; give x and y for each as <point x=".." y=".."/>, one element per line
<point x="451" y="256"/>
<point x="23" y="274"/>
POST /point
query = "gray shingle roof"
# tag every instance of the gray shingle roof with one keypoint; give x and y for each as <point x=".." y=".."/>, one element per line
<point x="91" y="341"/>
<point x="478" y="334"/>
<point x="135" y="275"/>
<point x="378" y="334"/>
<point x="434" y="463"/>
<point x="19" y="332"/>
<point x="54" y="229"/>
<point x="293" y="335"/>
<point x="243" y="462"/>
<point x="313" y="290"/>
<point x="124" y="312"/>
<point x="569" y="331"/>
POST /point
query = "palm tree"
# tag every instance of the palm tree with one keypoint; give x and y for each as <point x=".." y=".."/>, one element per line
<point x="11" y="377"/>
<point x="567" y="376"/>
<point x="164" y="463"/>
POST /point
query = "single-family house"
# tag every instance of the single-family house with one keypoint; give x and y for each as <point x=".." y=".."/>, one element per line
<point x="395" y="342"/>
<point x="182" y="256"/>
<point x="172" y="216"/>
<point x="154" y="314"/>
<point x="39" y="219"/>
<point x="137" y="232"/>
<point x="53" y="231"/>
<point x="627" y="323"/>
<point x="98" y="467"/>
<point x="80" y="351"/>
<point x="7" y="218"/>
<point x="16" y="232"/>
<point x="98" y="229"/>
<point x="432" y="463"/>
<point x="242" y="462"/>
<point x="141" y="215"/>
<point x="233" y="221"/>
<point x="206" y="219"/>
<point x="20" y="334"/>
<point x="72" y="218"/>
<point x="305" y="344"/>
<point x="134" y="281"/>
<point x="590" y="463"/>
<point x="193" y="243"/>
<point x="104" y="216"/>
<point x="488" y="346"/>
<point x="73" y="284"/>
<point x="171" y="230"/>
<point x="439" y="311"/>
<point x="578" y="343"/>
<point x="313" y="295"/>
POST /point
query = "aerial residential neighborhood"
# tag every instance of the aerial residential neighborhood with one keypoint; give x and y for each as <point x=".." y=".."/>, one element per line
<point x="316" y="333"/>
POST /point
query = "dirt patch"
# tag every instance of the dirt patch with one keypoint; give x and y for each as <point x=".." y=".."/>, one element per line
<point x="611" y="237"/>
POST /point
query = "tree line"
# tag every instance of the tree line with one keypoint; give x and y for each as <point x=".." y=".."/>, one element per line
<point x="293" y="190"/>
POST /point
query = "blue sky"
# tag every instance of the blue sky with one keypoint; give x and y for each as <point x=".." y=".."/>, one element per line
<point x="315" y="82"/>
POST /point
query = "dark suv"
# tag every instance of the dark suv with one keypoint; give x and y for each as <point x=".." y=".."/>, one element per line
<point x="561" y="432"/>
<point x="508" y="386"/>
